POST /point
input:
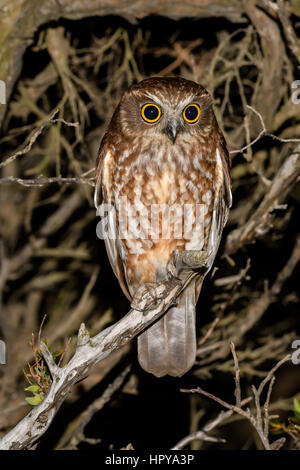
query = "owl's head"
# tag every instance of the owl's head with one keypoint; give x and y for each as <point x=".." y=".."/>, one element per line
<point x="168" y="107"/>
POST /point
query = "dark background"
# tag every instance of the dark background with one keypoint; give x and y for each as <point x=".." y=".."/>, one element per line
<point x="82" y="67"/>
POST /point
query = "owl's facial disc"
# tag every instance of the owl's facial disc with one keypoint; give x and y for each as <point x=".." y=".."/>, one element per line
<point x="174" y="125"/>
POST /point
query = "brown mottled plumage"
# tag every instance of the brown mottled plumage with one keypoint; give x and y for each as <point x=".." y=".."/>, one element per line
<point x="169" y="162"/>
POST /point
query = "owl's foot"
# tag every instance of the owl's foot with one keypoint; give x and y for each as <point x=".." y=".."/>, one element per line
<point x="148" y="297"/>
<point x="185" y="261"/>
<point x="194" y="259"/>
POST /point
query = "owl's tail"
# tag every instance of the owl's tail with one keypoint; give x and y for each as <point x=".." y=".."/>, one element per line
<point x="169" y="346"/>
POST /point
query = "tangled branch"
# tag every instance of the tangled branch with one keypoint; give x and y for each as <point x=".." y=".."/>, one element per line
<point x="259" y="421"/>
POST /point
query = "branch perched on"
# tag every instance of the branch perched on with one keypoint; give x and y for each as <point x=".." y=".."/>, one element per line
<point x="89" y="352"/>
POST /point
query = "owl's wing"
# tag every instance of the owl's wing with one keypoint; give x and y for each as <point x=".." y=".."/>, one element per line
<point x="222" y="201"/>
<point x="112" y="249"/>
<point x="101" y="196"/>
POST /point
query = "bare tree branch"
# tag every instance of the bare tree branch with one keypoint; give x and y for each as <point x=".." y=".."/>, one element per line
<point x="260" y="222"/>
<point x="261" y="134"/>
<point x="202" y="434"/>
<point x="77" y="434"/>
<point x="255" y="310"/>
<point x="41" y="181"/>
<point x="260" y="425"/>
<point x="89" y="352"/>
<point x="34" y="137"/>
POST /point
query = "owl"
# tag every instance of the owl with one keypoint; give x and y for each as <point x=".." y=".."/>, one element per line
<point x="163" y="153"/>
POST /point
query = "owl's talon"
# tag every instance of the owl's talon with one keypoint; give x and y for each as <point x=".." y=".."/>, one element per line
<point x="193" y="259"/>
<point x="147" y="298"/>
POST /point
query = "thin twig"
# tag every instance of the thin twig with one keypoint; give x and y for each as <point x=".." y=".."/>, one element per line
<point x="262" y="133"/>
<point x="34" y="137"/>
<point x="77" y="434"/>
<point x="202" y="434"/>
<point x="41" y="181"/>
<point x="256" y="420"/>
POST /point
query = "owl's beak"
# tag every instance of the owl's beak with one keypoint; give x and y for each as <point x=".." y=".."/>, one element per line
<point x="172" y="130"/>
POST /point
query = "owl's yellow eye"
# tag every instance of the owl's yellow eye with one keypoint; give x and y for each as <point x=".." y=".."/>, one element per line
<point x="151" y="112"/>
<point x="191" y="113"/>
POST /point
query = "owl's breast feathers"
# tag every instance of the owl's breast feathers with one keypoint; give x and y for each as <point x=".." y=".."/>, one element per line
<point x="168" y="194"/>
